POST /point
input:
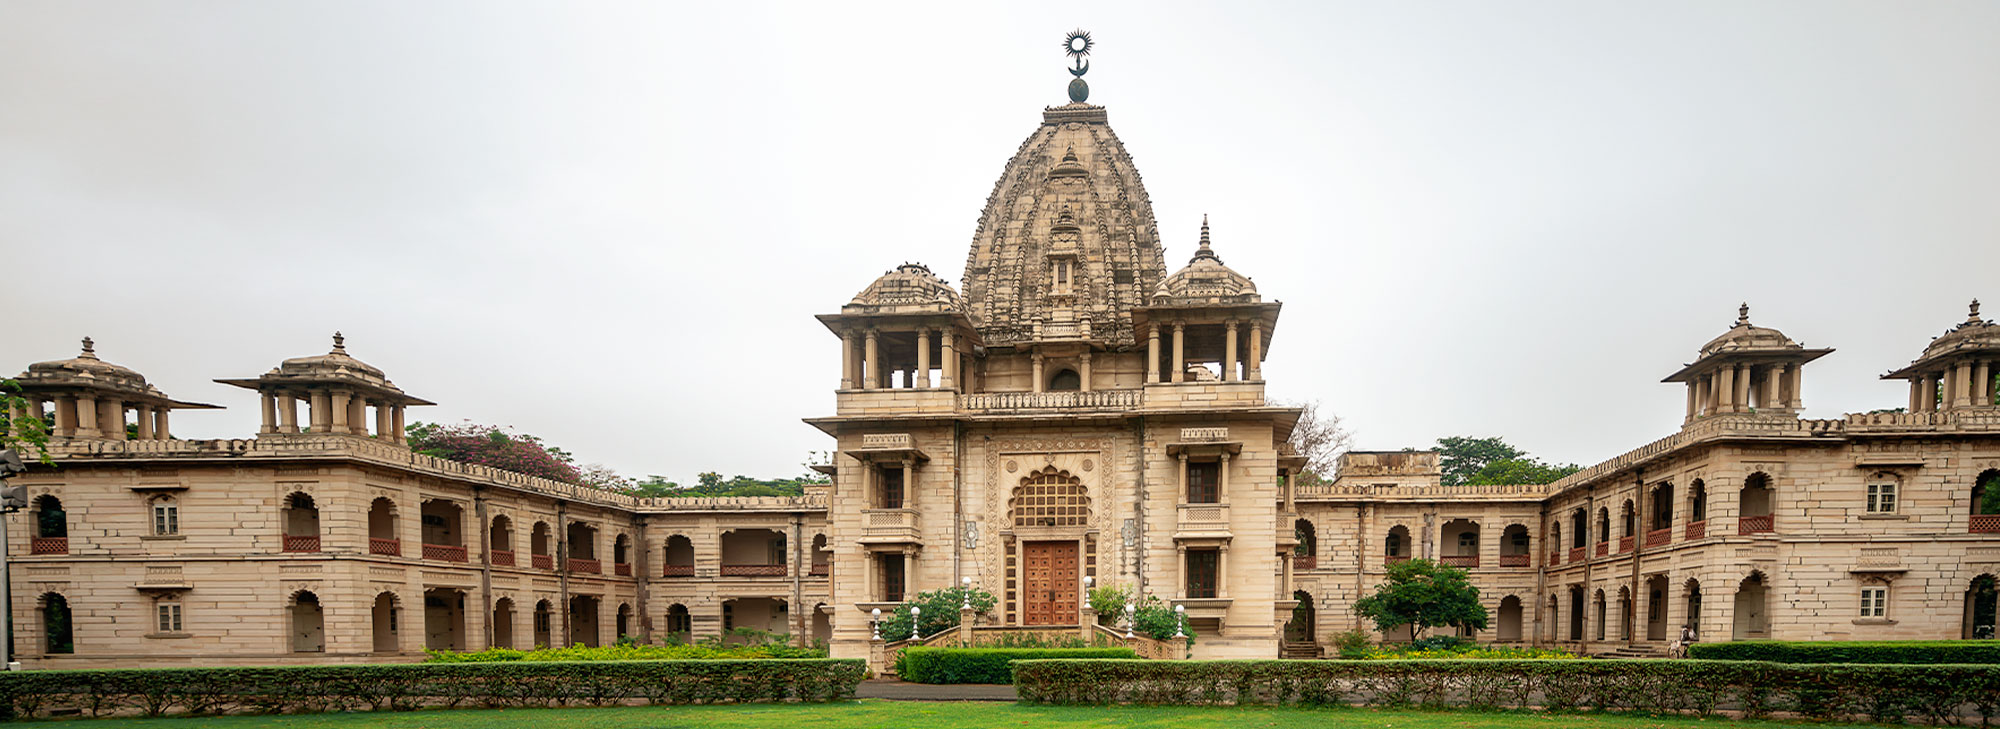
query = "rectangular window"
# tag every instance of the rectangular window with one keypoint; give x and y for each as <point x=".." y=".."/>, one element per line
<point x="1204" y="483"/>
<point x="1882" y="498"/>
<point x="892" y="577"/>
<point x="169" y="617"/>
<point x="1202" y="572"/>
<point x="892" y="487"/>
<point x="166" y="519"/>
<point x="1874" y="602"/>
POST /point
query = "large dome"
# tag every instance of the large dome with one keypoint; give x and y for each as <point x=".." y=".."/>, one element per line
<point x="1070" y="193"/>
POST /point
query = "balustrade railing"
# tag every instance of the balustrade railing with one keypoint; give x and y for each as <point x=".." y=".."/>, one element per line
<point x="586" y="566"/>
<point x="1305" y="561"/>
<point x="385" y="547"/>
<point x="1461" y="560"/>
<point x="622" y="569"/>
<point x="1555" y="558"/>
<point x="1753" y="524"/>
<point x="1513" y="560"/>
<point x="821" y="569"/>
<point x="502" y="557"/>
<point x="677" y="570"/>
<point x="1394" y="558"/>
<point x="1051" y="400"/>
<point x="1659" y="537"/>
<point x="1576" y="554"/>
<point x="542" y="561"/>
<point x="1625" y="544"/>
<point x="1983" y="524"/>
<point x="302" y="544"/>
<point x="48" y="545"/>
<point x="444" y="553"/>
<point x="753" y="570"/>
<point x="1697" y="530"/>
<point x="1603" y="549"/>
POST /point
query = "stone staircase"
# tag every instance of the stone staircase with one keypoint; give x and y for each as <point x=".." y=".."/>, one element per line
<point x="1299" y="651"/>
<point x="1639" y="650"/>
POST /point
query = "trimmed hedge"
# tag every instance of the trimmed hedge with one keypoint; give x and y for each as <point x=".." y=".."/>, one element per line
<point x="1899" y="651"/>
<point x="312" y="689"/>
<point x="922" y="664"/>
<point x="1937" y="693"/>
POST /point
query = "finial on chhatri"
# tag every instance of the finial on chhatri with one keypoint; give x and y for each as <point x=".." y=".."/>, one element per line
<point x="89" y="349"/>
<point x="339" y="344"/>
<point x="1973" y="317"/>
<point x="1204" y="231"/>
<point x="1077" y="44"/>
<point x="1743" y="314"/>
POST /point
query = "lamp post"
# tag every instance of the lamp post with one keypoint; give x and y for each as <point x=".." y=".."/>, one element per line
<point x="875" y="622"/>
<point x="1180" y="620"/>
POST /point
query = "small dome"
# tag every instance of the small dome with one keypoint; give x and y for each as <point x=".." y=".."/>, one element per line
<point x="1745" y="337"/>
<point x="911" y="284"/>
<point x="1206" y="278"/>
<point x="87" y="366"/>
<point x="1973" y="333"/>
<point x="333" y="362"/>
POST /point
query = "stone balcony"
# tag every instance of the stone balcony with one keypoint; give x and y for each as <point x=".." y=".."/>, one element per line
<point x="891" y="526"/>
<point x="1044" y="401"/>
<point x="1202" y="521"/>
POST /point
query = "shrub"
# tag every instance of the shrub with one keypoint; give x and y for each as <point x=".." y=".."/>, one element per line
<point x="920" y="664"/>
<point x="1911" y="651"/>
<point x="704" y="651"/>
<point x="939" y="611"/>
<point x="1935" y="693"/>
<point x="312" y="689"/>
<point x="1352" y="644"/>
<point x="1466" y="651"/>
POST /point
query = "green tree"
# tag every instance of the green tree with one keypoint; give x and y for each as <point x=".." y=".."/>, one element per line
<point x="1424" y="594"/>
<point x="1521" y="471"/>
<point x="30" y="437"/>
<point x="938" y="610"/>
<point x="1460" y="457"/>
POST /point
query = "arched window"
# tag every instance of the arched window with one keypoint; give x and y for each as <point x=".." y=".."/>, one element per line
<point x="679" y="623"/>
<point x="1509" y="625"/>
<point x="500" y="541"/>
<point x="1597" y="602"/>
<point x="624" y="621"/>
<point x="308" y="623"/>
<point x="1307" y="536"/>
<point x="1981" y="602"/>
<point x="1603" y="525"/>
<point x="679" y="557"/>
<point x="166" y="516"/>
<point x="1460" y="546"/>
<point x="1692" y="592"/>
<point x="1697" y="501"/>
<point x="1396" y="547"/>
<point x="543" y="624"/>
<point x="1579" y="526"/>
<point x="1755" y="503"/>
<point x="1663" y="506"/>
<point x="58" y="634"/>
<point x="1626" y="520"/>
<point x="621" y="556"/>
<point x="301" y="523"/>
<point x="539" y="543"/>
<point x="1514" y="548"/>
<point x="582" y="541"/>
<point x="382" y="536"/>
<point x="503" y="623"/>
<point x="443" y="530"/>
<point x="386" y="621"/>
<point x="822" y="556"/>
<point x="1065" y="381"/>
<point x="1986" y="496"/>
<point x="1050" y="498"/>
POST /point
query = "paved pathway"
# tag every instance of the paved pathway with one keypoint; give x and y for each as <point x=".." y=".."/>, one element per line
<point x="900" y="691"/>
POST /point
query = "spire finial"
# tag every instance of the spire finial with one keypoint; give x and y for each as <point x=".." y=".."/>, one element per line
<point x="1974" y="316"/>
<point x="1743" y="314"/>
<point x="89" y="349"/>
<point x="1077" y="44"/>
<point x="339" y="344"/>
<point x="1204" y="231"/>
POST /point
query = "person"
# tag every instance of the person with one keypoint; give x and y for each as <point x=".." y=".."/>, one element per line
<point x="1687" y="638"/>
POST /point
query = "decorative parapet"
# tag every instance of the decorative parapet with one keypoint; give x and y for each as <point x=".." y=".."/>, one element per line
<point x="1433" y="491"/>
<point x="1204" y="435"/>
<point x="1095" y="399"/>
<point x="887" y="440"/>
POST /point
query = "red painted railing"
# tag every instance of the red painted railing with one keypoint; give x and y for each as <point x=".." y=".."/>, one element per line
<point x="1625" y="544"/>
<point x="1753" y="524"/>
<point x="502" y="557"/>
<point x="1305" y="561"/>
<point x="542" y="562"/>
<point x="1461" y="560"/>
<point x="1984" y="524"/>
<point x="301" y="544"/>
<point x="387" y="547"/>
<point x="1392" y="559"/>
<point x="821" y="570"/>
<point x="1697" y="529"/>
<point x="622" y="569"/>
<point x="1576" y="555"/>
<point x="1513" y="560"/>
<point x="678" y="570"/>
<point x="753" y="570"/>
<point x="49" y="545"/>
<point x="1659" y="537"/>
<point x="586" y="566"/>
<point x="1603" y="548"/>
<point x="444" y="553"/>
<point x="1555" y="558"/>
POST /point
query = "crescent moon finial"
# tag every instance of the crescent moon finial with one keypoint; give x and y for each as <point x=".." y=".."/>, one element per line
<point x="1077" y="45"/>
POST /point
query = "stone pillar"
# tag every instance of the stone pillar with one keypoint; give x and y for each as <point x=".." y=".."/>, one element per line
<point x="965" y="619"/>
<point x="338" y="410"/>
<point x="871" y="363"/>
<point x="1982" y="384"/>
<point x="1285" y="575"/>
<point x="1743" y="388"/>
<point x="1222" y="476"/>
<point x="1222" y="572"/>
<point x="1691" y="403"/>
<point x="86" y="417"/>
<point x="1794" y="390"/>
<point x="1725" y="390"/>
<point x="144" y="417"/>
<point x="288" y="413"/>
<point x="1256" y="363"/>
<point x="111" y="418"/>
<point x="909" y="500"/>
<point x="1961" y="392"/>
<point x="1180" y="567"/>
<point x="1086" y="618"/>
<point x="948" y="351"/>
<point x="396" y="424"/>
<point x="923" y="378"/>
<point x="1930" y="392"/>
<point x="1774" y="378"/>
<point x="1703" y="393"/>
<point x="160" y="429"/>
<point x="65" y="416"/>
<point x="318" y="405"/>
<point x="1083" y="371"/>
<point x="847" y="360"/>
<point x="1181" y="496"/>
<point x="382" y="416"/>
<point x="357" y="415"/>
<point x="1180" y="352"/>
<point x="1036" y="358"/>
<point x="269" y="403"/>
<point x="1153" y="354"/>
<point x="1229" y="362"/>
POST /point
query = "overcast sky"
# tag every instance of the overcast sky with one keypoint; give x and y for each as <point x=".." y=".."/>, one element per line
<point x="611" y="224"/>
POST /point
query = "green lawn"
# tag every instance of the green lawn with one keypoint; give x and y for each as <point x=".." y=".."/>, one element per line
<point x="867" y="714"/>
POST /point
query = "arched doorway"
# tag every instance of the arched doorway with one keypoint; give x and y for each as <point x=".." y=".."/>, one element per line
<point x="51" y="526"/>
<point x="500" y="541"/>
<point x="624" y="621"/>
<point x="382" y="538"/>
<point x="1514" y="547"/>
<point x="383" y="618"/>
<point x="1751" y="601"/>
<point x="678" y="557"/>
<point x="1692" y="590"/>
<point x="1058" y="504"/>
<point x="680" y="624"/>
<point x="444" y="619"/>
<point x="1597" y="602"/>
<point x="543" y="628"/>
<point x="1299" y="629"/>
<point x="308" y="623"/>
<point x="1656" y="607"/>
<point x="1460" y="545"/>
<point x="1065" y="381"/>
<point x="1508" y="627"/>
<point x="1625" y="614"/>
<point x="822" y="625"/>
<point x="583" y="620"/>
<point x="58" y="632"/>
<point x="1981" y="599"/>
<point x="503" y="623"/>
<point x="1576" y="611"/>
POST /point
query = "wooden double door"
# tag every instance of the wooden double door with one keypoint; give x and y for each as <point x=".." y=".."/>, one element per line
<point x="1049" y="592"/>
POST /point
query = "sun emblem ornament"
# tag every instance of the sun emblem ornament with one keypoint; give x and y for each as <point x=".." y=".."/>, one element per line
<point x="1078" y="44"/>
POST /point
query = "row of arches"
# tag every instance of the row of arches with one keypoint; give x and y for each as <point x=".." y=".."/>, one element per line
<point x="1459" y="543"/>
<point x="746" y="553"/>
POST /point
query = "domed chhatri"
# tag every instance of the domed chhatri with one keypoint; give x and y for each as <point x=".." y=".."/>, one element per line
<point x="910" y="286"/>
<point x="338" y="388"/>
<point x="89" y="394"/>
<point x="1747" y="370"/>
<point x="1205" y="279"/>
<point x="1958" y="369"/>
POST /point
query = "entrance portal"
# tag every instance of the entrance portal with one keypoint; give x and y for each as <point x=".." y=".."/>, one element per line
<point x="1049" y="596"/>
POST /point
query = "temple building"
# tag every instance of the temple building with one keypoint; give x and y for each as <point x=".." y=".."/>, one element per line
<point x="1073" y="414"/>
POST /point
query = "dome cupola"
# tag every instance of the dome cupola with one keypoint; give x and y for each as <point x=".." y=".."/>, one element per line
<point x="1748" y="369"/>
<point x="92" y="398"/>
<point x="1958" y="369"/>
